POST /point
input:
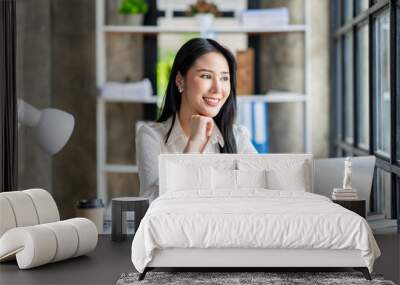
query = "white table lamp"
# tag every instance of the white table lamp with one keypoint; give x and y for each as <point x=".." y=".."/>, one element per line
<point x="51" y="127"/>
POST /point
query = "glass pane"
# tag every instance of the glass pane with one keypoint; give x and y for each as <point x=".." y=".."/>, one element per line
<point x="336" y="15"/>
<point x="362" y="70"/>
<point x="382" y="83"/>
<point x="383" y="194"/>
<point x="33" y="81"/>
<point x="348" y="89"/>
<point x="361" y="5"/>
<point x="347" y="13"/>
<point x="338" y="78"/>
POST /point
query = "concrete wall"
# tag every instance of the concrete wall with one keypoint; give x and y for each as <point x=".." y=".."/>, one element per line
<point x="74" y="91"/>
<point x="319" y="82"/>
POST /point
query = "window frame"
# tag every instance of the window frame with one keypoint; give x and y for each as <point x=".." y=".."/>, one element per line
<point x="397" y="98"/>
<point x="8" y="98"/>
<point x="338" y="144"/>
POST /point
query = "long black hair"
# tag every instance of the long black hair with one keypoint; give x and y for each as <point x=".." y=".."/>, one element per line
<point x="184" y="59"/>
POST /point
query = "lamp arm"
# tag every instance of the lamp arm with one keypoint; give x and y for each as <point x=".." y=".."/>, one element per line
<point x="27" y="114"/>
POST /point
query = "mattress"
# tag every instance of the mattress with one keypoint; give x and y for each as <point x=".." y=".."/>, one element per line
<point x="250" y="219"/>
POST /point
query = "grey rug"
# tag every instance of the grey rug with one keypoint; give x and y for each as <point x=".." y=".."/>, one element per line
<point x="228" y="278"/>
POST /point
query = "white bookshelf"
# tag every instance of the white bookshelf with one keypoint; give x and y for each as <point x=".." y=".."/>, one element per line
<point x="102" y="29"/>
<point x="150" y="100"/>
<point x="279" y="97"/>
<point x="121" y="168"/>
<point x="228" y="30"/>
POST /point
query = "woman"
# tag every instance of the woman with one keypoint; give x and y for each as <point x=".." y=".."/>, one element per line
<point x="198" y="111"/>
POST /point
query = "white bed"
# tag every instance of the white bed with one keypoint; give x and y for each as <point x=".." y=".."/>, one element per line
<point x="252" y="211"/>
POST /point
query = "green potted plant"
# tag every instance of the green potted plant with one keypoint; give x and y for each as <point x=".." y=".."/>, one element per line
<point x="204" y="12"/>
<point x="132" y="11"/>
<point x="203" y="7"/>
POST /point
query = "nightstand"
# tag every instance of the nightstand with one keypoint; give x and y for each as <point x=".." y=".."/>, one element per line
<point x="120" y="206"/>
<point x="357" y="206"/>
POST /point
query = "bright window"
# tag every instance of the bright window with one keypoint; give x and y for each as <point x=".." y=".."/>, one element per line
<point x="382" y="83"/>
<point x="362" y="81"/>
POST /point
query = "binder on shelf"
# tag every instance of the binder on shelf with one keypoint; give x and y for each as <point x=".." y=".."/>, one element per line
<point x="260" y="126"/>
<point x="265" y="17"/>
<point x="139" y="90"/>
<point x="254" y="116"/>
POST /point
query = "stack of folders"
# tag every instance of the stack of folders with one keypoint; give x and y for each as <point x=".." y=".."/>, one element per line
<point x="265" y="17"/>
<point x="139" y="90"/>
<point x="254" y="116"/>
<point x="344" y="194"/>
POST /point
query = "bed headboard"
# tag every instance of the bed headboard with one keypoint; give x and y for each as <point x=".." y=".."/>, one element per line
<point x="237" y="161"/>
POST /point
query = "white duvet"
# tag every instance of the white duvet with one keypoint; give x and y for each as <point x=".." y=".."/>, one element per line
<point x="252" y="218"/>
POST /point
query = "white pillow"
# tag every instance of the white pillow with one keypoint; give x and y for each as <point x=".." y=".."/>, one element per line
<point x="182" y="177"/>
<point x="251" y="178"/>
<point x="224" y="179"/>
<point x="227" y="179"/>
<point x="281" y="174"/>
<point x="291" y="178"/>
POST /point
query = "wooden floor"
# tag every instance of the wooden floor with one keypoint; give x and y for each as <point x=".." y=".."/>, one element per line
<point x="111" y="259"/>
<point x="389" y="262"/>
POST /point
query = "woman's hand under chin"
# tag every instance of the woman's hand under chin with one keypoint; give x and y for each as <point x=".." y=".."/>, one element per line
<point x="201" y="128"/>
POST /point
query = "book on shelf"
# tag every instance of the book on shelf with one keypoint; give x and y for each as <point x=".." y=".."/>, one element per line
<point x="265" y="17"/>
<point x="139" y="90"/>
<point x="254" y="116"/>
<point x="245" y="72"/>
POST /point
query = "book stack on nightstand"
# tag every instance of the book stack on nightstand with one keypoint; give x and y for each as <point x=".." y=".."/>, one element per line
<point x="344" y="194"/>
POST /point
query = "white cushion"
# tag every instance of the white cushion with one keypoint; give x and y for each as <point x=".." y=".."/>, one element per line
<point x="281" y="173"/>
<point x="87" y="235"/>
<point x="26" y="208"/>
<point x="287" y="178"/>
<point x="251" y="178"/>
<point x="45" y="205"/>
<point x="231" y="180"/>
<point x="183" y="178"/>
<point x="67" y="239"/>
<point x="224" y="179"/>
<point x="33" y="246"/>
<point x="7" y="218"/>
<point x="231" y="162"/>
<point x="40" y="244"/>
<point x="23" y="208"/>
<point x="188" y="161"/>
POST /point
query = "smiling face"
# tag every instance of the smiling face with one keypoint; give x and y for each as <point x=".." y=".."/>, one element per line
<point x="206" y="85"/>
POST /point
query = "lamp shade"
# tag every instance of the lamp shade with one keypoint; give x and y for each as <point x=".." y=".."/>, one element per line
<point x="52" y="128"/>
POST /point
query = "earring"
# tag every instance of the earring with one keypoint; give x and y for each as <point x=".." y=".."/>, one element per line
<point x="180" y="89"/>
